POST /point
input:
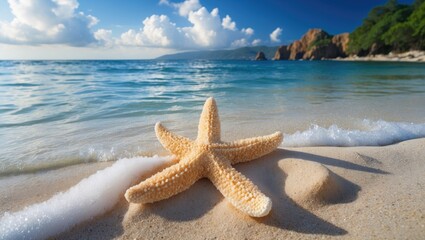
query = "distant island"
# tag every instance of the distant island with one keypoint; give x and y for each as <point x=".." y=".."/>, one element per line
<point x="392" y="32"/>
<point x="244" y="53"/>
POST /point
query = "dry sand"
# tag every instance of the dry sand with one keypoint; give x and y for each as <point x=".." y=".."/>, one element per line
<point x="317" y="192"/>
<point x="410" y="56"/>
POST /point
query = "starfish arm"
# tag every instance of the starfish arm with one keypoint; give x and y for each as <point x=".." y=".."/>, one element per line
<point x="209" y="123"/>
<point x="238" y="189"/>
<point x="177" y="145"/>
<point x="250" y="148"/>
<point x="165" y="184"/>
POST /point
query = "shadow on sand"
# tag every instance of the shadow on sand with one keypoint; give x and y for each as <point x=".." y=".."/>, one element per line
<point x="286" y="214"/>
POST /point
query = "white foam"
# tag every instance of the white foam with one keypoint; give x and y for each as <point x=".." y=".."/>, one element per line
<point x="91" y="197"/>
<point x="372" y="133"/>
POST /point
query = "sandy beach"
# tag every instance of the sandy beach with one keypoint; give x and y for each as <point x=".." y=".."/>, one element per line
<point x="317" y="192"/>
<point x="410" y="56"/>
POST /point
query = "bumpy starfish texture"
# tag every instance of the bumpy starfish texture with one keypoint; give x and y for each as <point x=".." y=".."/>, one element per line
<point x="208" y="157"/>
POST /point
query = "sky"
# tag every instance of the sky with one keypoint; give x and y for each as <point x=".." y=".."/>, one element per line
<point x="143" y="29"/>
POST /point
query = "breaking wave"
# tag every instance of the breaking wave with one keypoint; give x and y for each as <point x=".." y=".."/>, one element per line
<point x="92" y="196"/>
<point x="371" y="133"/>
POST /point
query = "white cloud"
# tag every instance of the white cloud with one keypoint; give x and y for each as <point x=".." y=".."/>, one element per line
<point x="256" y="42"/>
<point x="240" y="43"/>
<point x="207" y="30"/>
<point x="227" y="23"/>
<point x="184" y="8"/>
<point x="55" y="23"/>
<point x="275" y="35"/>
<point x="47" y="22"/>
<point x="248" y="31"/>
<point x="104" y="37"/>
<point x="188" y="6"/>
<point x="157" y="31"/>
<point x="164" y="2"/>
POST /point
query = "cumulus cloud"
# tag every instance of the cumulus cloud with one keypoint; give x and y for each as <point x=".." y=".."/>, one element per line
<point x="59" y="22"/>
<point x="256" y="42"/>
<point x="47" y="22"/>
<point x="240" y="43"/>
<point x="248" y="31"/>
<point x="188" y="6"/>
<point x="275" y="35"/>
<point x="157" y="30"/>
<point x="206" y="30"/>
<point x="104" y="37"/>
<point x="184" y="8"/>
<point x="227" y="23"/>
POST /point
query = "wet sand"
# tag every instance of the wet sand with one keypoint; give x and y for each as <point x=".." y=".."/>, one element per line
<point x="317" y="192"/>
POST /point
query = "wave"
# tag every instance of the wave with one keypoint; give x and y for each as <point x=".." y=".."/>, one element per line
<point x="372" y="133"/>
<point x="90" y="155"/>
<point x="92" y="196"/>
<point x="367" y="133"/>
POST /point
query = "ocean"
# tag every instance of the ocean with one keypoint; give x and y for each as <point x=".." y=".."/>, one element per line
<point x="59" y="113"/>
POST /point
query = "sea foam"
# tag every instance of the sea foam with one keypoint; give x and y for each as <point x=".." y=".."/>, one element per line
<point x="372" y="133"/>
<point x="91" y="197"/>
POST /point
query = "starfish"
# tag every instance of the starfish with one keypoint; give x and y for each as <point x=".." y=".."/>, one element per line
<point x="208" y="157"/>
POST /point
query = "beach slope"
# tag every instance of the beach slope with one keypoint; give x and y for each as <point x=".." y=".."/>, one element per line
<point x="349" y="192"/>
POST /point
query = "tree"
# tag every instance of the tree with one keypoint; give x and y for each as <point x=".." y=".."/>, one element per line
<point x="417" y="3"/>
<point x="417" y="22"/>
<point x="390" y="27"/>
<point x="400" y="37"/>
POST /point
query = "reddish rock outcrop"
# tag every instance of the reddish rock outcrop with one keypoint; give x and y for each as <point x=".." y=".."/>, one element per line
<point x="341" y="41"/>
<point x="296" y="50"/>
<point x="282" y="53"/>
<point x="315" y="44"/>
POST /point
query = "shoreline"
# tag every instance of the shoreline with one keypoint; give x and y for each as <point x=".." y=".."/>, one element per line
<point x="14" y="194"/>
<point x="410" y="56"/>
<point x="380" y="189"/>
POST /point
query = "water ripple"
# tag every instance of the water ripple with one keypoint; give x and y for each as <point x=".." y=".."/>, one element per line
<point x="52" y="109"/>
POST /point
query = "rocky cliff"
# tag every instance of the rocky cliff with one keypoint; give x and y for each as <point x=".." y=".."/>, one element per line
<point x="315" y="44"/>
<point x="260" y="56"/>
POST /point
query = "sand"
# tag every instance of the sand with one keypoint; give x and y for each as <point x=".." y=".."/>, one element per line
<point x="26" y="189"/>
<point x="409" y="56"/>
<point x="317" y="192"/>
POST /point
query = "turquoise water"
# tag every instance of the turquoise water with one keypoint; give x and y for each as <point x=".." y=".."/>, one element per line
<point x="56" y="113"/>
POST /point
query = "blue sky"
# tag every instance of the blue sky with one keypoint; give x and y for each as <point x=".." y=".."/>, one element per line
<point x="80" y="29"/>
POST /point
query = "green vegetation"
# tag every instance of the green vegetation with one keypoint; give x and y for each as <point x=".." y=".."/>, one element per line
<point x="391" y="27"/>
<point x="323" y="42"/>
